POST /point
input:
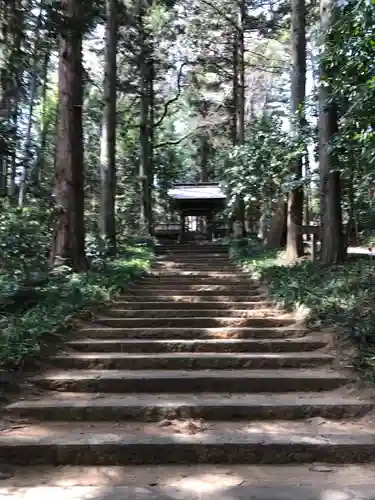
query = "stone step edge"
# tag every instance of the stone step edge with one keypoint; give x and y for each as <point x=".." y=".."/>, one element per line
<point x="200" y="355"/>
<point x="277" y="373"/>
<point x="197" y="330"/>
<point x="116" y="492"/>
<point x="283" y="321"/>
<point x="213" y="342"/>
<point x="73" y="448"/>
<point x="318" y="343"/>
<point x="152" y="401"/>
<point x="75" y="438"/>
<point x="292" y="345"/>
<point x="200" y="310"/>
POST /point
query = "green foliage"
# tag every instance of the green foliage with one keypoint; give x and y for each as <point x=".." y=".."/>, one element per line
<point x="349" y="62"/>
<point x="24" y="239"/>
<point x="36" y="304"/>
<point x="341" y="296"/>
<point x="261" y="167"/>
<point x="66" y="295"/>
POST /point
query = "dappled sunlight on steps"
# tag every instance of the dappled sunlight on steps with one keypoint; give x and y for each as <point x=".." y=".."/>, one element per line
<point x="193" y="364"/>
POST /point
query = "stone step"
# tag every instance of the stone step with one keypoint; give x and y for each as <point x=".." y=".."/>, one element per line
<point x="221" y="272"/>
<point x="193" y="250"/>
<point x="316" y="481"/>
<point x="219" y="406"/>
<point x="185" y="381"/>
<point x="215" y="266"/>
<point x="123" y="443"/>
<point x="188" y="361"/>
<point x="194" y="245"/>
<point x="198" y="260"/>
<point x="138" y="307"/>
<point x="227" y="292"/>
<point x="185" y="333"/>
<point x="295" y="345"/>
<point x="196" y="289"/>
<point x="186" y="253"/>
<point x="217" y="491"/>
<point x="192" y="298"/>
<point x="191" y="277"/>
<point x="196" y="322"/>
<point x="191" y="312"/>
<point x="183" y="252"/>
<point x="187" y="282"/>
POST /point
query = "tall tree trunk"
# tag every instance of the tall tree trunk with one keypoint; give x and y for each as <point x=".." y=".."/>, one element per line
<point x="144" y="165"/>
<point x="307" y="194"/>
<point x="108" y="138"/>
<point x="234" y="89"/>
<point x="241" y="100"/>
<point x="32" y="95"/>
<point x="69" y="238"/>
<point x="333" y="247"/>
<point x="204" y="150"/>
<point x="38" y="170"/>
<point x="294" y="247"/>
<point x="150" y="132"/>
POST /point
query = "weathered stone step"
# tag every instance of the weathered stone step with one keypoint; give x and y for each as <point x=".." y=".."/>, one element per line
<point x="218" y="491"/>
<point x="191" y="277"/>
<point x="249" y="293"/>
<point x="137" y="307"/>
<point x="183" y="253"/>
<point x="197" y="260"/>
<point x="193" y="250"/>
<point x="196" y="289"/>
<point x="278" y="442"/>
<point x="190" y="266"/>
<point x="317" y="481"/>
<point x="189" y="361"/>
<point x="222" y="272"/>
<point x="185" y="333"/>
<point x="187" y="282"/>
<point x="304" y="344"/>
<point x="193" y="245"/>
<point x="196" y="322"/>
<point x="185" y="381"/>
<point x="191" y="312"/>
<point x="217" y="406"/>
<point x="192" y="298"/>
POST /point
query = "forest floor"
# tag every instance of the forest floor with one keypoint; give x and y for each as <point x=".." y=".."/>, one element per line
<point x="341" y="296"/>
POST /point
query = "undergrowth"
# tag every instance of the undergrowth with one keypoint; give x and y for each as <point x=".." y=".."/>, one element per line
<point x="64" y="296"/>
<point x="342" y="295"/>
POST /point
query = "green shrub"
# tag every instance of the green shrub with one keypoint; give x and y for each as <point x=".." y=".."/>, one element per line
<point x="66" y="295"/>
<point x="342" y="296"/>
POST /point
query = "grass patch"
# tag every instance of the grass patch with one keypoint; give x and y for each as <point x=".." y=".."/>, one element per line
<point x="342" y="296"/>
<point x="65" y="295"/>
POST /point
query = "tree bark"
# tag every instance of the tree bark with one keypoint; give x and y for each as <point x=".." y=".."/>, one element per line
<point x="144" y="164"/>
<point x="233" y="121"/>
<point x="333" y="247"/>
<point x="108" y="136"/>
<point x="33" y="85"/>
<point x="37" y="173"/>
<point x="69" y="237"/>
<point x="241" y="100"/>
<point x="150" y="132"/>
<point x="294" y="247"/>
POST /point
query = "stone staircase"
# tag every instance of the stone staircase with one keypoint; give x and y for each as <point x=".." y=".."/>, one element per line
<point x="193" y="365"/>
